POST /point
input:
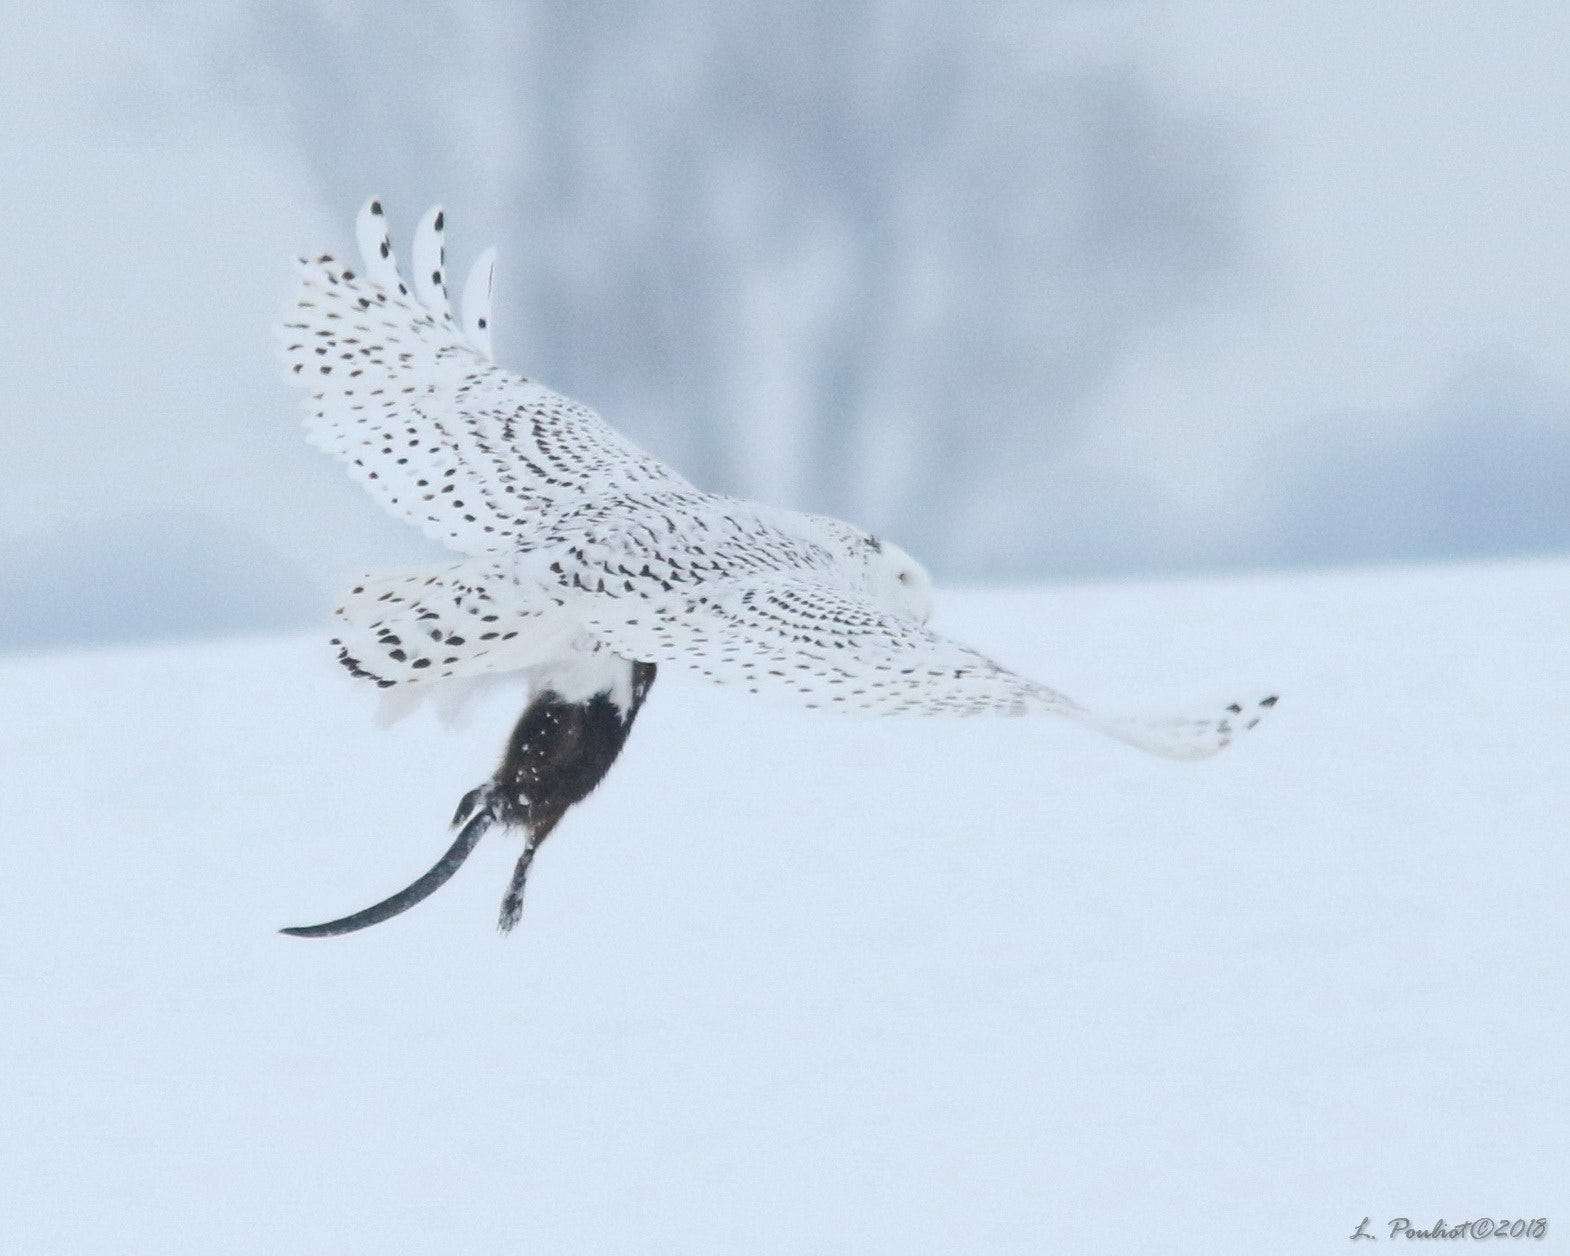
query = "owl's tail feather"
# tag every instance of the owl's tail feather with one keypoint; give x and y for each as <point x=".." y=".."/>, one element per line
<point x="1180" y="738"/>
<point x="444" y="631"/>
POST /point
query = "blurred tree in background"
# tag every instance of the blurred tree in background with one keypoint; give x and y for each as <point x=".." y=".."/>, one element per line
<point x="854" y="256"/>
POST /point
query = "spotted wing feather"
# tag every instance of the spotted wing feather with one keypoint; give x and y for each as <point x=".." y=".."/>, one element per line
<point x="811" y="639"/>
<point x="480" y="458"/>
<point x="813" y="644"/>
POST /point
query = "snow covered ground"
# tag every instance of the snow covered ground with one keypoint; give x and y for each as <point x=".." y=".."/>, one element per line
<point x="791" y="984"/>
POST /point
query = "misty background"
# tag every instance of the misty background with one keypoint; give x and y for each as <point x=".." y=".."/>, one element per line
<point x="1054" y="290"/>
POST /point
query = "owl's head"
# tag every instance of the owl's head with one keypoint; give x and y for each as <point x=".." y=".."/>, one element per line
<point x="899" y="583"/>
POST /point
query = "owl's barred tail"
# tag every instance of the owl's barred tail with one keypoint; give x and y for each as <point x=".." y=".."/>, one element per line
<point x="1183" y="739"/>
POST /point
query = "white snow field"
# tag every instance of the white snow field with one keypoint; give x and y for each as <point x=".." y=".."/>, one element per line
<point x="804" y="985"/>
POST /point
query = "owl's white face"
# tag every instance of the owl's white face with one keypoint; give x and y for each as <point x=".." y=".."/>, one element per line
<point x="900" y="584"/>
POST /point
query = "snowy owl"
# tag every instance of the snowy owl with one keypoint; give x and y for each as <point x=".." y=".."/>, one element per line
<point x="588" y="563"/>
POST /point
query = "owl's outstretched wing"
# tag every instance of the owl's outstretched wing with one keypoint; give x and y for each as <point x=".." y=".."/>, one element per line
<point x="813" y="642"/>
<point x="479" y="457"/>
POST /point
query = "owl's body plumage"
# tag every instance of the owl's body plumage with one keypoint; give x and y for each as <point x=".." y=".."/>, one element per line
<point x="587" y="555"/>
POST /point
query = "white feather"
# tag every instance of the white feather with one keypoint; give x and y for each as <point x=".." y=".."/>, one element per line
<point x="376" y="255"/>
<point x="430" y="263"/>
<point x="477" y="303"/>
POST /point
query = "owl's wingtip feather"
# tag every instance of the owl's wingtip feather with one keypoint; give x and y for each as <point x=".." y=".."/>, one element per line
<point x="1183" y="739"/>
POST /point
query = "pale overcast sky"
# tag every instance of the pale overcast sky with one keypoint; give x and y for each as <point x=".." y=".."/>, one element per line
<point x="1378" y="367"/>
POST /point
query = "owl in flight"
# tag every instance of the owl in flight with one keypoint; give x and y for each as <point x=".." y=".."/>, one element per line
<point x="588" y="564"/>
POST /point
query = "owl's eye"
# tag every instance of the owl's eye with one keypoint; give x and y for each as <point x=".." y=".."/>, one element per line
<point x="904" y="577"/>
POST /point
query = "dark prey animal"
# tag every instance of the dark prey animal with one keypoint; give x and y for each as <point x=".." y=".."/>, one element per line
<point x="557" y="753"/>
